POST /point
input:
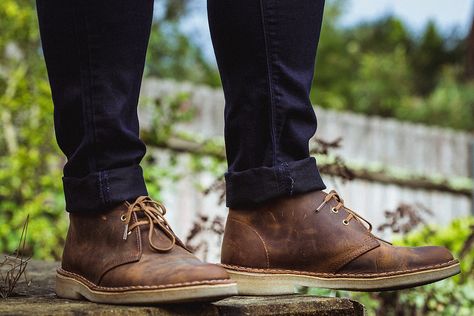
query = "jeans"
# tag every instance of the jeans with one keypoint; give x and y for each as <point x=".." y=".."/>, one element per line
<point x="95" y="53"/>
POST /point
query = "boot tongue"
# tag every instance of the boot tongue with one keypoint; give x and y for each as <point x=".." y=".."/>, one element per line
<point x="153" y="225"/>
<point x="159" y="238"/>
<point x="141" y="216"/>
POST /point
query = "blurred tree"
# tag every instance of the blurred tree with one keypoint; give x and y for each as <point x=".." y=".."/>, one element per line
<point x="470" y="52"/>
<point x="383" y="81"/>
<point x="450" y="104"/>
<point x="353" y="63"/>
<point x="382" y="35"/>
<point x="336" y="57"/>
<point x="171" y="53"/>
<point x="429" y="55"/>
<point x="381" y="68"/>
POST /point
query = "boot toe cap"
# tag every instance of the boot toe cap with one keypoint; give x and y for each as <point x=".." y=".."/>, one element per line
<point x="390" y="259"/>
<point x="158" y="273"/>
<point x="429" y="256"/>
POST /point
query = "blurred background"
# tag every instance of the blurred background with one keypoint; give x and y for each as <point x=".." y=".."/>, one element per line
<point x="398" y="75"/>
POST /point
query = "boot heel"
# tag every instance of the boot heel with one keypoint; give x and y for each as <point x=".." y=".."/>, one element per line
<point x="262" y="284"/>
<point x="67" y="288"/>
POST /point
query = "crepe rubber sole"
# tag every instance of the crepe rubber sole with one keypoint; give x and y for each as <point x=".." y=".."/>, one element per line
<point x="73" y="287"/>
<point x="274" y="282"/>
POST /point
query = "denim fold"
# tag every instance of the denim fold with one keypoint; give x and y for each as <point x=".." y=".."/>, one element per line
<point x="101" y="190"/>
<point x="252" y="187"/>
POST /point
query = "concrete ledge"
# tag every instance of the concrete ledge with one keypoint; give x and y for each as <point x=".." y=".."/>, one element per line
<point x="39" y="299"/>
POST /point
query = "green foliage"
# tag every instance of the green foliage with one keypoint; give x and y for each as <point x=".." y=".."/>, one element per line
<point x="166" y="112"/>
<point x="30" y="163"/>
<point x="171" y="53"/>
<point x="381" y="68"/>
<point x="454" y="296"/>
<point x="381" y="96"/>
<point x="450" y="104"/>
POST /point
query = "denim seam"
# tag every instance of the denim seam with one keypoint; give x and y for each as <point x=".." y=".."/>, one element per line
<point x="107" y="187"/>
<point x="270" y="84"/>
<point x="86" y="93"/>
<point x="287" y="172"/>
<point x="104" y="187"/>
<point x="99" y="188"/>
<point x="273" y="48"/>
<point x="276" y="173"/>
<point x="91" y="98"/>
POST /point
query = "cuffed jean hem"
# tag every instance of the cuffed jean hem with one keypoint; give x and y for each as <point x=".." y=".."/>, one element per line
<point x="252" y="187"/>
<point x="101" y="190"/>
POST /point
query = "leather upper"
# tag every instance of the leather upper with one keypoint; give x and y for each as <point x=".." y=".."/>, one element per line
<point x="291" y="233"/>
<point x="96" y="251"/>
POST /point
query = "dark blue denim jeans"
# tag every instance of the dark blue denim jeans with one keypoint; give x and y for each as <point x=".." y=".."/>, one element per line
<point x="95" y="53"/>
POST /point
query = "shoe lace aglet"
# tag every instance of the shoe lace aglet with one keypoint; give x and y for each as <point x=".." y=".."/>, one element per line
<point x="125" y="232"/>
<point x="320" y="207"/>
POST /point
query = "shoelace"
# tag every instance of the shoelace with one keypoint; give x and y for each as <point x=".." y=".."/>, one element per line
<point x="340" y="204"/>
<point x="154" y="212"/>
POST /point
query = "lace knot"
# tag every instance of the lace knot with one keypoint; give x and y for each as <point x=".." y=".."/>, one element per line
<point x="154" y="216"/>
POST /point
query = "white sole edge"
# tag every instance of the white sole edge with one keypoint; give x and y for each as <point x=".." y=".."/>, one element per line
<point x="254" y="283"/>
<point x="70" y="288"/>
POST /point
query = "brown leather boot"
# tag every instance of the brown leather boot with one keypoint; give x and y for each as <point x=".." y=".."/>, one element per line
<point x="131" y="255"/>
<point x="313" y="240"/>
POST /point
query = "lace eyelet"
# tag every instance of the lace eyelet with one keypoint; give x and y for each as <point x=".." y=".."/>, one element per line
<point x="123" y="218"/>
<point x="345" y="222"/>
<point x="334" y="210"/>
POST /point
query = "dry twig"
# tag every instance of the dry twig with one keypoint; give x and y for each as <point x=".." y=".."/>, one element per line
<point x="405" y="218"/>
<point x="13" y="267"/>
<point x="202" y="225"/>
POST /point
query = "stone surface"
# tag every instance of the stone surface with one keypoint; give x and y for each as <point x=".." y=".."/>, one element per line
<point x="39" y="298"/>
